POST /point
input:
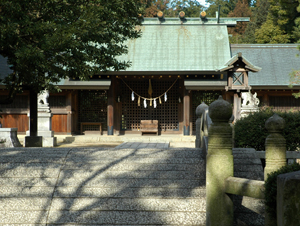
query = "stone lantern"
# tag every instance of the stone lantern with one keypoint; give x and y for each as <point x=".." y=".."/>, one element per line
<point x="237" y="68"/>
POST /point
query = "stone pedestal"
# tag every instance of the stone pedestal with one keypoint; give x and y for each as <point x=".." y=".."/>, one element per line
<point x="9" y="138"/>
<point x="245" y="111"/>
<point x="275" y="146"/>
<point x="219" y="165"/>
<point x="44" y="122"/>
<point x="31" y="141"/>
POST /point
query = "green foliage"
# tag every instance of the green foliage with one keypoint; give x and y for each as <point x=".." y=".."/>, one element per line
<point x="259" y="16"/>
<point x="279" y="26"/>
<point x="271" y="188"/>
<point x="49" y="40"/>
<point x="270" y="33"/>
<point x="192" y="8"/>
<point x="226" y="7"/>
<point x="250" y="131"/>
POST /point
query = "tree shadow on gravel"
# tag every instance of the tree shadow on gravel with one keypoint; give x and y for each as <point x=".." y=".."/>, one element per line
<point x="102" y="186"/>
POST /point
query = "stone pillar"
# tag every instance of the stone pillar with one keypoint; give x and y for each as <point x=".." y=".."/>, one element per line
<point x="199" y="124"/>
<point x="275" y="145"/>
<point x="219" y="165"/>
<point x="288" y="199"/>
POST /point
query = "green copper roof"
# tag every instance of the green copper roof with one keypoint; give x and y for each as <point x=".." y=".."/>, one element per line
<point x="276" y="60"/>
<point x="179" y="47"/>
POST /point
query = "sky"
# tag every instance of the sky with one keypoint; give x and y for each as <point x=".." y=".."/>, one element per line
<point x="202" y="2"/>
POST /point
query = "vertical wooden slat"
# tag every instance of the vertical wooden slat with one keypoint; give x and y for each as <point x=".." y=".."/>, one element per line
<point x="19" y="121"/>
<point x="59" y="123"/>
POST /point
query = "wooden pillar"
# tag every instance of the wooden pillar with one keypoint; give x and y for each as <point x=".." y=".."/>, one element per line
<point x="110" y="107"/>
<point x="186" y="113"/>
<point x="237" y="106"/>
<point x="69" y="113"/>
<point x="117" y="109"/>
<point x="266" y="99"/>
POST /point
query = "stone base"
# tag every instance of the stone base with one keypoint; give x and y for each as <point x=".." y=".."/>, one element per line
<point x="49" y="141"/>
<point x="42" y="133"/>
<point x="245" y="111"/>
<point x="33" y="141"/>
<point x="9" y="138"/>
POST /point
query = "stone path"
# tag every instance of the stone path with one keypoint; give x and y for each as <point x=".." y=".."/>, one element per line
<point x="102" y="186"/>
<point x="139" y="145"/>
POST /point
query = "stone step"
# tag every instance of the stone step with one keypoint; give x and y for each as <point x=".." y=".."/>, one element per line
<point x="127" y="217"/>
<point x="124" y="169"/>
<point x="73" y="192"/>
<point x="102" y="218"/>
<point x="128" y="138"/>
<point x="133" y="183"/>
<point x="149" y="153"/>
<point x="129" y="192"/>
<point x="137" y="174"/>
<point x="103" y="204"/>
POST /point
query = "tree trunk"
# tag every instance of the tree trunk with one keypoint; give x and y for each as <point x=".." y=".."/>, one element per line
<point x="33" y="113"/>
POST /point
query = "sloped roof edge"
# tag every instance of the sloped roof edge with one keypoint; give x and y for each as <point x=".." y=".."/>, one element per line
<point x="235" y="58"/>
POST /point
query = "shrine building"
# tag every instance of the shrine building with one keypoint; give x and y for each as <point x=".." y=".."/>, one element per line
<point x="177" y="64"/>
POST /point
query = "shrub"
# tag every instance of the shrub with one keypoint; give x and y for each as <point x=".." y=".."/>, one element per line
<point x="271" y="188"/>
<point x="250" y="132"/>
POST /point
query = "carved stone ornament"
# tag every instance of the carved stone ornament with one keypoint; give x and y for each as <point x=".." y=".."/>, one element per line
<point x="43" y="98"/>
<point x="249" y="99"/>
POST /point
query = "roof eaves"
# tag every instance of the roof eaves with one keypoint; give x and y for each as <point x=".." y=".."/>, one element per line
<point x="225" y="68"/>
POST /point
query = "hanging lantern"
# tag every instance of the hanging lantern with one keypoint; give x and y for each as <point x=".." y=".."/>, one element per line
<point x="165" y="97"/>
<point x="154" y="103"/>
<point x="145" y="103"/>
<point x="132" y="96"/>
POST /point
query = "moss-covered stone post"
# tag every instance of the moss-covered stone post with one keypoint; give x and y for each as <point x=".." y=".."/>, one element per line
<point x="199" y="124"/>
<point x="275" y="146"/>
<point x="219" y="165"/>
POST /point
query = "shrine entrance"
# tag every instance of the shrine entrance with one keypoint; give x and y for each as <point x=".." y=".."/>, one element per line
<point x="167" y="112"/>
